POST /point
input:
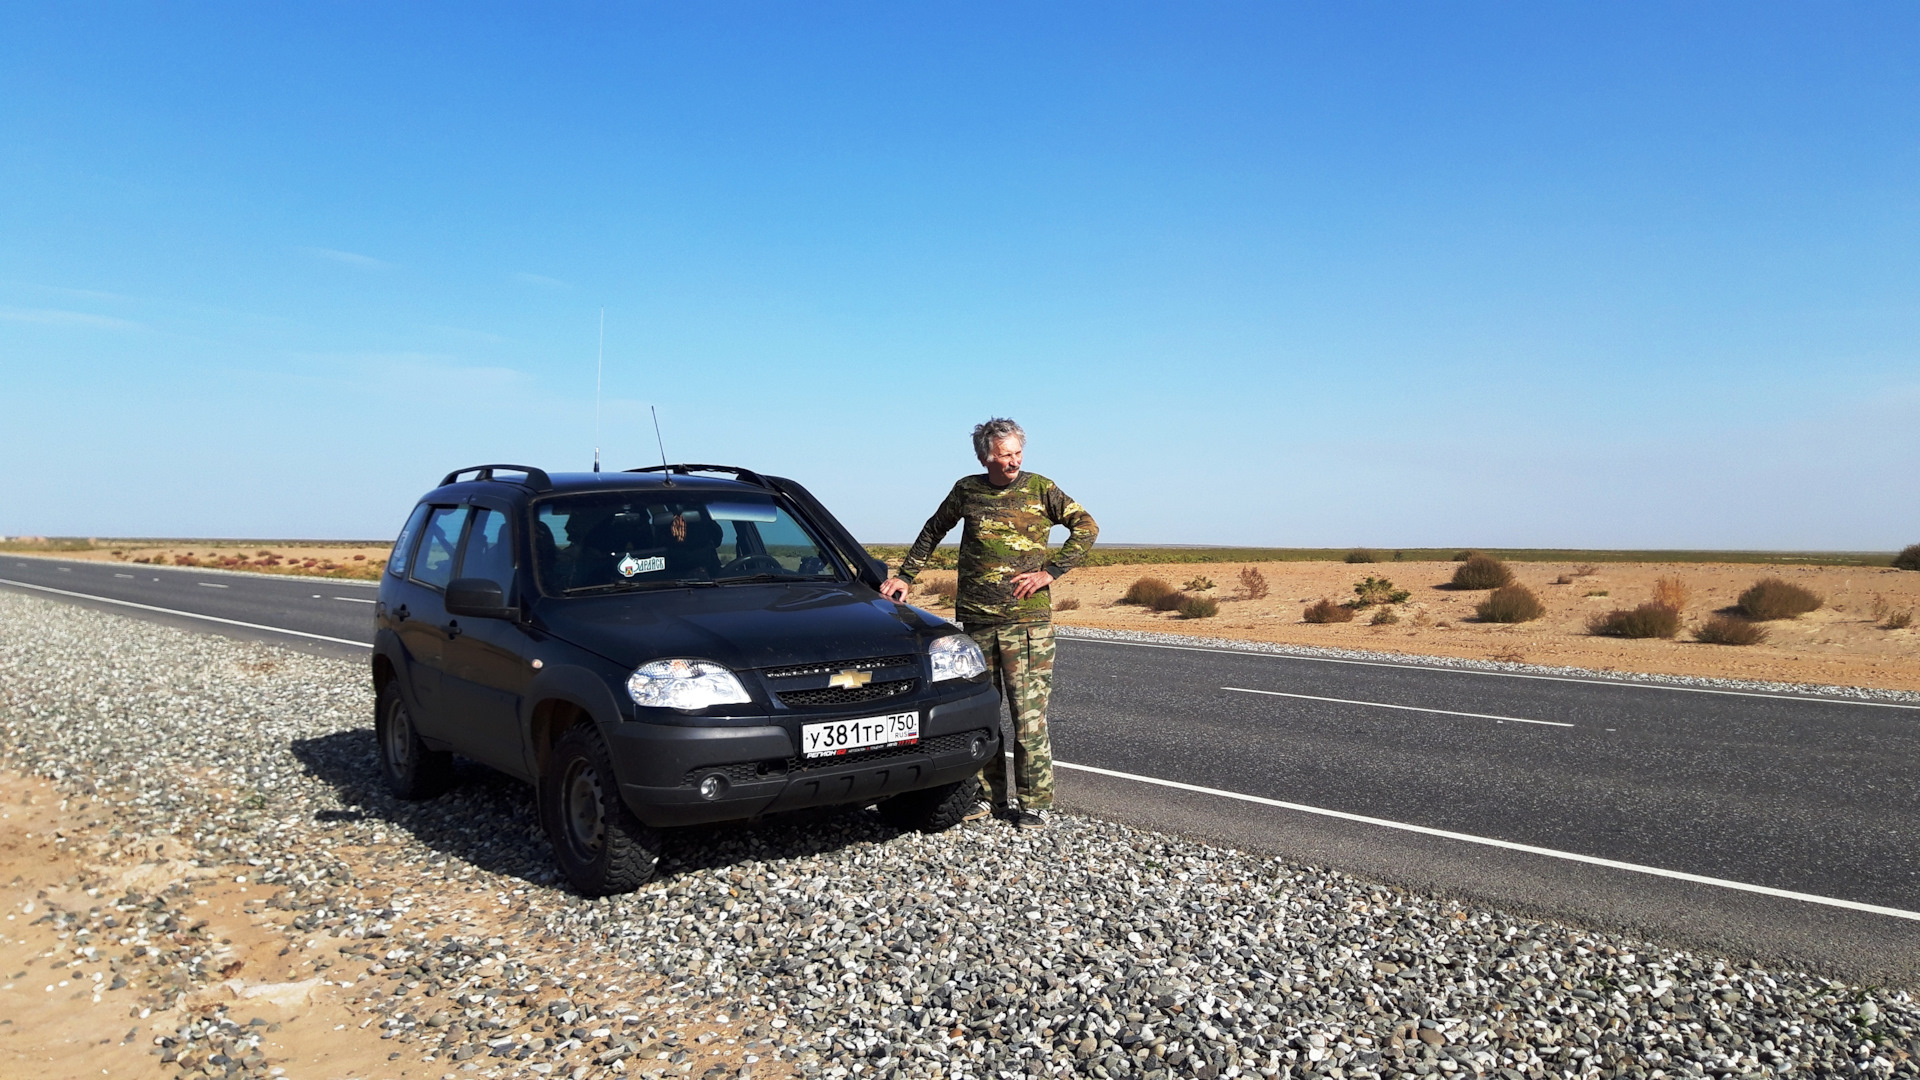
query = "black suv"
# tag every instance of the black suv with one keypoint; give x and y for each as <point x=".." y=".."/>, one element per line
<point x="660" y="647"/>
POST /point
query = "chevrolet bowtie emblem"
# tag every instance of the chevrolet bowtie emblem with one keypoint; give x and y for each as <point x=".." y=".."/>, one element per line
<point x="850" y="679"/>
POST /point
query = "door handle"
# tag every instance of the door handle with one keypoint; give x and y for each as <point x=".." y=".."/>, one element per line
<point x="453" y="628"/>
<point x="400" y="613"/>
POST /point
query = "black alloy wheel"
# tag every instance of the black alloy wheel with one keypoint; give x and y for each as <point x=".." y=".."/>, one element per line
<point x="597" y="842"/>
<point x="412" y="771"/>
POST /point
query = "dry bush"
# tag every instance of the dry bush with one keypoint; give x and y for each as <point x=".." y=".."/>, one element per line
<point x="1908" y="559"/>
<point x="1384" y="617"/>
<point x="1671" y="592"/>
<point x="1898" y="620"/>
<point x="1773" y="598"/>
<point x="1463" y="556"/>
<point x="1422" y="619"/>
<point x="1362" y="555"/>
<point x="1169" y="602"/>
<point x="1072" y="603"/>
<point x="1511" y="604"/>
<point x="1199" y="607"/>
<point x="1145" y="591"/>
<point x="1482" y="572"/>
<point x="1563" y="579"/>
<point x="1199" y="584"/>
<point x="1731" y="630"/>
<point x="1375" y="590"/>
<point x="1646" y="621"/>
<point x="1326" y="611"/>
<point x="942" y="589"/>
<point x="1585" y="570"/>
<point x="1253" y="583"/>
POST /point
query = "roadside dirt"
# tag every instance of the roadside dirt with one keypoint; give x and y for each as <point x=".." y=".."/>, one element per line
<point x="112" y="943"/>
<point x="1842" y="644"/>
<point x="342" y="560"/>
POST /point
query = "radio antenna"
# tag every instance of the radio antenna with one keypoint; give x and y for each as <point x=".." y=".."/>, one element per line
<point x="666" y="474"/>
<point x="599" y="368"/>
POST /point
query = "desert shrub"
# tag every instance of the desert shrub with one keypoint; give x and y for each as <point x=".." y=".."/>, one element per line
<point x="1072" y="603"/>
<point x="1731" y="630"/>
<point x="1253" y="583"/>
<point x="1509" y="604"/>
<point x="1908" y="559"/>
<point x="1145" y="591"/>
<point x="1585" y="570"/>
<point x="943" y="589"/>
<point x="1773" y="598"/>
<point x="1170" y="601"/>
<point x="1463" y="556"/>
<point x="1199" y="607"/>
<point x="1598" y="592"/>
<point x="1362" y="555"/>
<point x="1898" y="620"/>
<point x="1379" y="591"/>
<point x="1646" y="621"/>
<point x="1482" y="572"/>
<point x="1199" y="584"/>
<point x="1384" y="617"/>
<point x="1671" y="592"/>
<point x="1326" y="611"/>
<point x="1563" y="579"/>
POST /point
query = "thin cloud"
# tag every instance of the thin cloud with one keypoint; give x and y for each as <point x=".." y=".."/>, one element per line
<point x="542" y="281"/>
<point x="59" y="317"/>
<point x="348" y="258"/>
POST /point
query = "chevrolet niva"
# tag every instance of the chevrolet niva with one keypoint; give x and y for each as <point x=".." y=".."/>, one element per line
<point x="665" y="647"/>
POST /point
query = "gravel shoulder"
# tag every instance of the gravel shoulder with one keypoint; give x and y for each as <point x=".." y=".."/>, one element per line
<point x="822" y="945"/>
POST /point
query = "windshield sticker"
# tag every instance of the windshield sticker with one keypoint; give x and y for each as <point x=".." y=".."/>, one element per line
<point x="630" y="566"/>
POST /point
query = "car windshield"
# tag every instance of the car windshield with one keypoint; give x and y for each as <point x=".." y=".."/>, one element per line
<point x="637" y="540"/>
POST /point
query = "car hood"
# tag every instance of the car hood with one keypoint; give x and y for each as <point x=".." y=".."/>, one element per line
<point x="741" y="626"/>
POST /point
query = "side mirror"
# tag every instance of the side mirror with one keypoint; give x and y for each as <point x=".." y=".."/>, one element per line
<point x="477" y="598"/>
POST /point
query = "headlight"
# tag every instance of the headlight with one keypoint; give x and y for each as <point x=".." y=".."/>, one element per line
<point x="956" y="657"/>
<point x="684" y="684"/>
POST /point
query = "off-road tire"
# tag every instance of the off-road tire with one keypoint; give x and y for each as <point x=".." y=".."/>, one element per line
<point x="411" y="770"/>
<point x="598" y="844"/>
<point x="934" y="809"/>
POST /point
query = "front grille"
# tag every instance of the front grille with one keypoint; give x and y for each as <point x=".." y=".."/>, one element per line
<point x="746" y="772"/>
<point x="834" y="695"/>
<point x="873" y="663"/>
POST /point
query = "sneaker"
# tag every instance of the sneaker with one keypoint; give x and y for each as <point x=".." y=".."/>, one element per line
<point x="980" y="812"/>
<point x="1029" y="819"/>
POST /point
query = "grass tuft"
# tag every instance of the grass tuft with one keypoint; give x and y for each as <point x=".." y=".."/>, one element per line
<point x="1646" y="621"/>
<point x="1772" y="598"/>
<point x="1482" y="572"/>
<point x="1147" y="591"/>
<point x="1198" y="607"/>
<point x="1253" y="583"/>
<point x="1510" y="604"/>
<point x="1326" y="611"/>
<point x="1898" y="620"/>
<point x="1384" y="617"/>
<point x="1071" y="603"/>
<point x="1198" y="584"/>
<point x="1731" y="630"/>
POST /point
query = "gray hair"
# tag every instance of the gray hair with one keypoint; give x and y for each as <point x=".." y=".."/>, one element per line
<point x="986" y="436"/>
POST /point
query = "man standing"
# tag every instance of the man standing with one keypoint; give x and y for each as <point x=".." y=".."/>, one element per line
<point x="1003" y="602"/>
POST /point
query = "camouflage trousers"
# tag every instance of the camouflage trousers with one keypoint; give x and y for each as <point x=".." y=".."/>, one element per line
<point x="1020" y="658"/>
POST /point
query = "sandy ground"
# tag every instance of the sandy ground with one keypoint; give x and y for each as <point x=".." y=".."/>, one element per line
<point x="342" y="560"/>
<point x="1842" y="644"/>
<point x="76" y="1004"/>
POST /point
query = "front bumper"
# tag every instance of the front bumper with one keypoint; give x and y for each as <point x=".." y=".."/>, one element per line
<point x="661" y="766"/>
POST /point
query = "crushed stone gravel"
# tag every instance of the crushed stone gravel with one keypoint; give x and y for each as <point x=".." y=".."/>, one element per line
<point x="1085" y="949"/>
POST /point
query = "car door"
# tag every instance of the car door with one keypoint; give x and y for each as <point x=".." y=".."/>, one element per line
<point x="423" y="631"/>
<point x="486" y="670"/>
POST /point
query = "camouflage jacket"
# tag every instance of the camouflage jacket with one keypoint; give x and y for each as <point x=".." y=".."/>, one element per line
<point x="1006" y="535"/>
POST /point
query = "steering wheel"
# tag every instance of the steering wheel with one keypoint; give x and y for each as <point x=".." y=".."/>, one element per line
<point x="754" y="564"/>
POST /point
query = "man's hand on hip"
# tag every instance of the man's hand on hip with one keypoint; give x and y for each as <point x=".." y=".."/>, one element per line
<point x="1025" y="585"/>
<point x="894" y="589"/>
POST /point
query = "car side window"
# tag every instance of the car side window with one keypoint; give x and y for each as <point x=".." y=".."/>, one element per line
<point x="489" y="551"/>
<point x="403" y="547"/>
<point x="441" y="539"/>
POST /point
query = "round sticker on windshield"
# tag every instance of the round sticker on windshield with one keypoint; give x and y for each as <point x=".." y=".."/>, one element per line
<point x="630" y="566"/>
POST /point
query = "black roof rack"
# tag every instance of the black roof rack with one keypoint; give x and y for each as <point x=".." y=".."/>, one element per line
<point x="537" y="479"/>
<point x="747" y="476"/>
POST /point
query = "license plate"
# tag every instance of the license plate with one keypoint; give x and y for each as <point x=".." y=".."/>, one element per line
<point x="867" y="733"/>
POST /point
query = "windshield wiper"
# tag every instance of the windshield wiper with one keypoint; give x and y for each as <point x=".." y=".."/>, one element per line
<point x="624" y="586"/>
<point x="769" y="576"/>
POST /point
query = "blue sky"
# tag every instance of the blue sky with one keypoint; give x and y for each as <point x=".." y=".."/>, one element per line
<point x="1399" y="275"/>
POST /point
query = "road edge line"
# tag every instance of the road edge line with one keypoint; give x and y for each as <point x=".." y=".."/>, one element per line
<point x="1405" y="708"/>
<point x="185" y="614"/>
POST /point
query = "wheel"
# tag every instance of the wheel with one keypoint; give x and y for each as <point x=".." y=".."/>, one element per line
<point x="933" y="809"/>
<point x="597" y="842"/>
<point x="412" y="771"/>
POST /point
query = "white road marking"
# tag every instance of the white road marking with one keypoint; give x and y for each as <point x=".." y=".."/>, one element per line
<point x="1410" y="666"/>
<point x="64" y="569"/>
<point x="209" y="585"/>
<point x="1408" y="708"/>
<point x="1509" y="845"/>
<point x="129" y="577"/>
<point x="356" y="599"/>
<point x="185" y="614"/>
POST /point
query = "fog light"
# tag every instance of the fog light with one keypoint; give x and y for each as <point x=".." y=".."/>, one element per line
<point x="713" y="787"/>
<point x="980" y="746"/>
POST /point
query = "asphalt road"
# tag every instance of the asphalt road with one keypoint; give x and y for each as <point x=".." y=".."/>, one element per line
<point x="1632" y="807"/>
